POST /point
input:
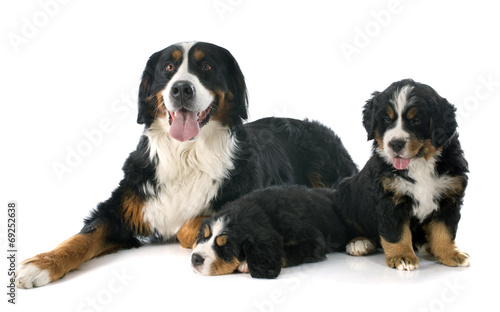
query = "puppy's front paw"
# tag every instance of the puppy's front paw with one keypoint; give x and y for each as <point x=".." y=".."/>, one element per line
<point x="456" y="259"/>
<point x="243" y="267"/>
<point x="403" y="262"/>
<point x="360" y="246"/>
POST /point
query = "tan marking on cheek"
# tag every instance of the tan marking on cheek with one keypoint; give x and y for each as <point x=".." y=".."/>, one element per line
<point x="428" y="150"/>
<point x="414" y="146"/>
<point x="160" y="109"/>
<point x="223" y="112"/>
<point x="221" y="267"/>
<point x="199" y="55"/>
<point x="379" y="139"/>
<point x="176" y="55"/>
<point x="189" y="231"/>
<point x="443" y="245"/>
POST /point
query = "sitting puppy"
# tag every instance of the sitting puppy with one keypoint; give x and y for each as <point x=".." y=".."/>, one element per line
<point x="411" y="189"/>
<point x="267" y="229"/>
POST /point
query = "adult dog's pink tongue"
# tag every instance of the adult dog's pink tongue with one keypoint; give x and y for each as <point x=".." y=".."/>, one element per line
<point x="400" y="163"/>
<point x="184" y="125"/>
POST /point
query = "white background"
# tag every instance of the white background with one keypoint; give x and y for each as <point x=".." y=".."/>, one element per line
<point x="68" y="68"/>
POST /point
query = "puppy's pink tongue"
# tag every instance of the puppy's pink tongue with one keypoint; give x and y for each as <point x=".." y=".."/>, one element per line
<point x="400" y="163"/>
<point x="184" y="126"/>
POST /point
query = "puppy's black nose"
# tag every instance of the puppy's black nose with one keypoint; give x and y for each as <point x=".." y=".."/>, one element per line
<point x="182" y="90"/>
<point x="197" y="260"/>
<point x="397" y="144"/>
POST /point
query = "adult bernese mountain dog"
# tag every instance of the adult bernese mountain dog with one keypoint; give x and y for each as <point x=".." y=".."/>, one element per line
<point x="195" y="155"/>
<point x="409" y="193"/>
<point x="411" y="190"/>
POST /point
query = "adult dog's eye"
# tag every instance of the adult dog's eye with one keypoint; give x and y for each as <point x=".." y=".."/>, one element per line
<point x="387" y="120"/>
<point x="206" y="67"/>
<point x="170" y="67"/>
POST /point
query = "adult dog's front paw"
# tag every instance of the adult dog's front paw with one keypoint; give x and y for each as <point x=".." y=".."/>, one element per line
<point x="33" y="272"/>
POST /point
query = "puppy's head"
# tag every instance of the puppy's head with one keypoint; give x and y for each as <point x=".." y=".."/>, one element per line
<point x="217" y="250"/>
<point x="408" y="120"/>
<point x="225" y="245"/>
<point x="187" y="85"/>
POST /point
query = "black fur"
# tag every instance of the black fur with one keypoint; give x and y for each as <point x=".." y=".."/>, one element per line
<point x="270" y="151"/>
<point x="364" y="201"/>
<point x="277" y="226"/>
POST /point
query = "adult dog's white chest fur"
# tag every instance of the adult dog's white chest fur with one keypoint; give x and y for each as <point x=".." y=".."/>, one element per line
<point x="189" y="174"/>
<point x="428" y="187"/>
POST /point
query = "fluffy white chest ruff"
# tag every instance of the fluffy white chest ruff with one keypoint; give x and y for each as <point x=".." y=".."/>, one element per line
<point x="427" y="189"/>
<point x="189" y="174"/>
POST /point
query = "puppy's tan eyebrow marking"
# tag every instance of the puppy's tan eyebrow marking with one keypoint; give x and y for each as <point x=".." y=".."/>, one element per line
<point x="221" y="240"/>
<point x="206" y="231"/>
<point x="412" y="112"/>
<point x="390" y="112"/>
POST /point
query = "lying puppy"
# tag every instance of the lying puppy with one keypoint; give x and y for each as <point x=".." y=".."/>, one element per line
<point x="268" y="229"/>
<point x="411" y="189"/>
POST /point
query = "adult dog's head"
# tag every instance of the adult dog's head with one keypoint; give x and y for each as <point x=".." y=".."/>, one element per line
<point x="188" y="85"/>
<point x="408" y="120"/>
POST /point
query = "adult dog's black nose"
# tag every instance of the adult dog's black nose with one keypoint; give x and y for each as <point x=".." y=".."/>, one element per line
<point x="397" y="144"/>
<point x="197" y="260"/>
<point x="182" y="90"/>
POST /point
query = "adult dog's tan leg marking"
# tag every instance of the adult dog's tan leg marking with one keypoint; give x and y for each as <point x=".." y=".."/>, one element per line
<point x="188" y="232"/>
<point x="400" y="255"/>
<point x="443" y="246"/>
<point x="67" y="256"/>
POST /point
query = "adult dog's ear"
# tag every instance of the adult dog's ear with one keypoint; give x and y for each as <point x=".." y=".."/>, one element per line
<point x="264" y="254"/>
<point x="444" y="123"/>
<point x="369" y="115"/>
<point x="145" y="115"/>
<point x="238" y="87"/>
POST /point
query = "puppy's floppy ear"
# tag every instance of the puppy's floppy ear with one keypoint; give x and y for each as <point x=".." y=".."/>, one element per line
<point x="444" y="123"/>
<point x="264" y="254"/>
<point x="145" y="89"/>
<point x="369" y="115"/>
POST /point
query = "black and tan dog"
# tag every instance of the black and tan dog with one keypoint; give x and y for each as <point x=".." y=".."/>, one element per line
<point x="195" y="155"/>
<point x="411" y="189"/>
<point x="409" y="193"/>
<point x="267" y="229"/>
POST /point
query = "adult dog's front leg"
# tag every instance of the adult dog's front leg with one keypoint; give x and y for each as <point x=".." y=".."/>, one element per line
<point x="67" y="256"/>
<point x="112" y="226"/>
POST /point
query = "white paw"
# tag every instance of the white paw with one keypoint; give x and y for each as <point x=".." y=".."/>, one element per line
<point x="424" y="249"/>
<point x="407" y="266"/>
<point x="30" y="275"/>
<point x="360" y="247"/>
<point x="243" y="268"/>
